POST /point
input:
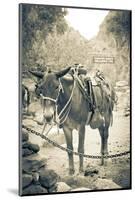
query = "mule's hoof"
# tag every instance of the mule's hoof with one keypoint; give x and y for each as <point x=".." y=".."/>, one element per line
<point x="101" y="163"/>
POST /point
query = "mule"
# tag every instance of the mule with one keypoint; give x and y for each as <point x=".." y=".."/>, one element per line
<point x="25" y="98"/>
<point x="61" y="93"/>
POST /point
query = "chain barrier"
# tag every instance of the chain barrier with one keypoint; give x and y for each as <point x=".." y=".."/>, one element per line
<point x="71" y="151"/>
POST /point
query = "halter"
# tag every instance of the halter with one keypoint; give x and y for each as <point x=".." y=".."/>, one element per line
<point x="48" y="98"/>
<point x="62" y="116"/>
<point x="51" y="99"/>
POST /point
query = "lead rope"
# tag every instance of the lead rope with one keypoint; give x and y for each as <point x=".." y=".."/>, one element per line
<point x="64" y="108"/>
<point x="64" y="117"/>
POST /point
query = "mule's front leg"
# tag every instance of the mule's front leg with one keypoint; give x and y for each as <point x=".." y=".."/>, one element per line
<point x="81" y="146"/>
<point x="69" y="141"/>
<point x="104" y="143"/>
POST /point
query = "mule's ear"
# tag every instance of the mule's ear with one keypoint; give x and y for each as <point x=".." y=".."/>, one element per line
<point x="37" y="74"/>
<point x="62" y="72"/>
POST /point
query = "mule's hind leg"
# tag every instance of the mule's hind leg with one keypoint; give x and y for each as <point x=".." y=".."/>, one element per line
<point x="104" y="143"/>
<point x="81" y="146"/>
<point x="69" y="141"/>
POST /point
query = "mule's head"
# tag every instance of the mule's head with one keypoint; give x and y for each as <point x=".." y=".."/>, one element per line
<point x="49" y="90"/>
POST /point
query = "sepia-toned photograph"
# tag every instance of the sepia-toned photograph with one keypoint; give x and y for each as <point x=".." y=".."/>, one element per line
<point x="75" y="99"/>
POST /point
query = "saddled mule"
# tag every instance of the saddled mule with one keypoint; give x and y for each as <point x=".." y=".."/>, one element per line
<point x="57" y="92"/>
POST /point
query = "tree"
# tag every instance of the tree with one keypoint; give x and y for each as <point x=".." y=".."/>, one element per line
<point x="118" y="24"/>
<point x="37" y="22"/>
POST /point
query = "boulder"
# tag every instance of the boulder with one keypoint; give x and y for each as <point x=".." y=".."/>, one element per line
<point x="105" y="184"/>
<point x="34" y="189"/>
<point x="35" y="176"/>
<point x="37" y="156"/>
<point x="26" y="152"/>
<point x="25" y="136"/>
<point x="29" y="165"/>
<point x="34" y="147"/>
<point x="48" y="178"/>
<point x="26" y="180"/>
<point x="63" y="187"/>
<point x="91" y="171"/>
<point x="52" y="189"/>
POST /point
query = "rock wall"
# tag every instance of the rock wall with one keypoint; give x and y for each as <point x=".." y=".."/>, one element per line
<point x="36" y="178"/>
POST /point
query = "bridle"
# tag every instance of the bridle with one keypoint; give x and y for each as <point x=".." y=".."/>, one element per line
<point x="48" y="98"/>
<point x="63" y="114"/>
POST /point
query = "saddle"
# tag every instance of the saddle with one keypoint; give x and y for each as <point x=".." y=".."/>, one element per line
<point x="88" y="86"/>
<point x="95" y="117"/>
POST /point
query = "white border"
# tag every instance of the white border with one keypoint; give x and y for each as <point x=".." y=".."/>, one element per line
<point x="9" y="97"/>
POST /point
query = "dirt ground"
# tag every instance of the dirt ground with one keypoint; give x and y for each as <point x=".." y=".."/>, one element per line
<point x="117" y="169"/>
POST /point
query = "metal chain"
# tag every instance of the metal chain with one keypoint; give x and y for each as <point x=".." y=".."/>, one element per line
<point x="71" y="151"/>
